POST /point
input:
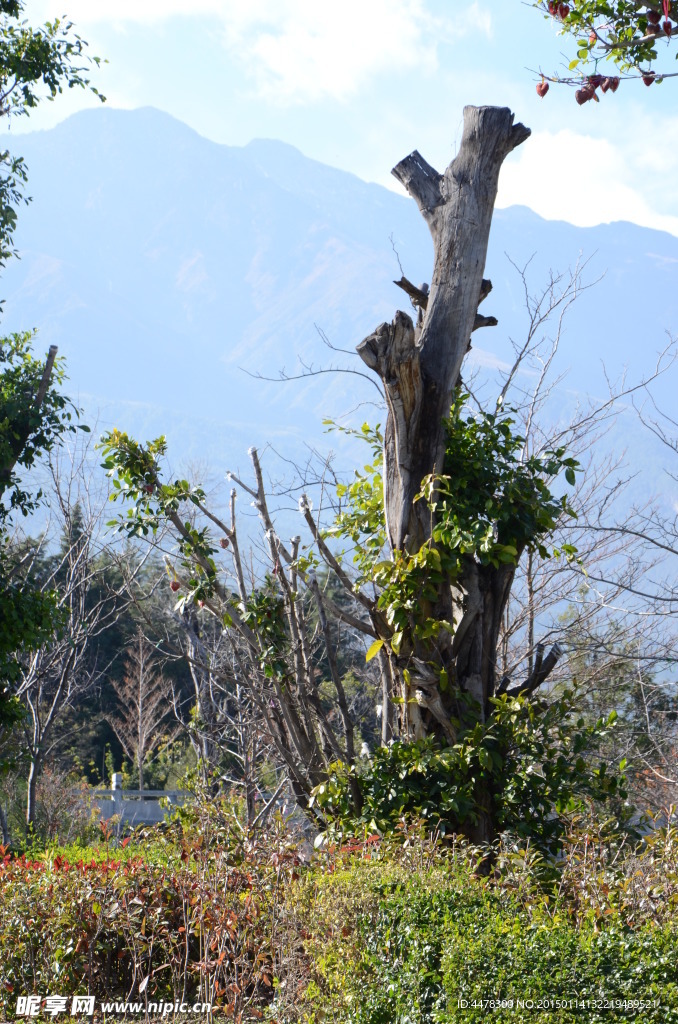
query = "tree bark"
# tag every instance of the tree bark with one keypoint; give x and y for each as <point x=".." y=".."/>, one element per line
<point x="420" y="367"/>
<point x="4" y="827"/>
<point x="32" y="782"/>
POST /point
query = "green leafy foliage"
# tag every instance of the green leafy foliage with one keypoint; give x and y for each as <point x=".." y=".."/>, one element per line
<point x="28" y="618"/>
<point x="27" y="430"/>
<point x="631" y="35"/>
<point x="534" y="759"/>
<point x="13" y="178"/>
<point x="398" y="930"/>
<point x="360" y="521"/>
<point x="38" y="60"/>
<point x="265" y="614"/>
<point x="134" y="469"/>
<point x="492" y="499"/>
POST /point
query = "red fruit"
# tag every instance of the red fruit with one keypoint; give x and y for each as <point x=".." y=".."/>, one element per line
<point x="648" y="77"/>
<point x="605" y="84"/>
<point x="595" y="81"/>
<point x="542" y="88"/>
<point x="553" y="9"/>
<point x="563" y="10"/>
<point x="224" y="542"/>
<point x="593" y="38"/>
<point x="654" y="17"/>
<point x="614" y="84"/>
<point x="201" y="604"/>
<point x="668" y="27"/>
<point x="584" y="95"/>
<point x="174" y="586"/>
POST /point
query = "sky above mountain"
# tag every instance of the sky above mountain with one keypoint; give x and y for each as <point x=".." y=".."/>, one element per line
<point x="360" y="84"/>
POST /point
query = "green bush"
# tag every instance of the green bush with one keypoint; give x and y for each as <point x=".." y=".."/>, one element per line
<point x="535" y="759"/>
<point x="392" y="942"/>
<point x="572" y="974"/>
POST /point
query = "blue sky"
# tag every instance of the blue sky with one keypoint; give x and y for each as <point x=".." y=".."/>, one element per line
<point x="359" y="84"/>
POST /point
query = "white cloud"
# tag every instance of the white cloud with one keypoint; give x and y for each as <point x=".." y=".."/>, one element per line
<point x="300" y="50"/>
<point x="583" y="180"/>
<point x="332" y="50"/>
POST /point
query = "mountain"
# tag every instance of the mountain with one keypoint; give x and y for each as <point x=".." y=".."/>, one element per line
<point x="164" y="265"/>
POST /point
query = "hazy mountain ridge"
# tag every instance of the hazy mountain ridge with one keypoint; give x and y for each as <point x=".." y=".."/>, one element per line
<point x="160" y="262"/>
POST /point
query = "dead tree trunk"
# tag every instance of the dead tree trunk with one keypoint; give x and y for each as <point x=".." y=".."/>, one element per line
<point x="420" y="368"/>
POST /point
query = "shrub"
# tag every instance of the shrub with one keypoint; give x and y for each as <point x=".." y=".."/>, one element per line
<point x="536" y="758"/>
<point x="391" y="941"/>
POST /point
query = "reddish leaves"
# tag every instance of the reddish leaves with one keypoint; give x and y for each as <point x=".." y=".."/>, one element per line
<point x="585" y="94"/>
<point x="594" y="82"/>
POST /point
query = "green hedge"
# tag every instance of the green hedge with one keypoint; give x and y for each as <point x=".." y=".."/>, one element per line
<point x="388" y="945"/>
